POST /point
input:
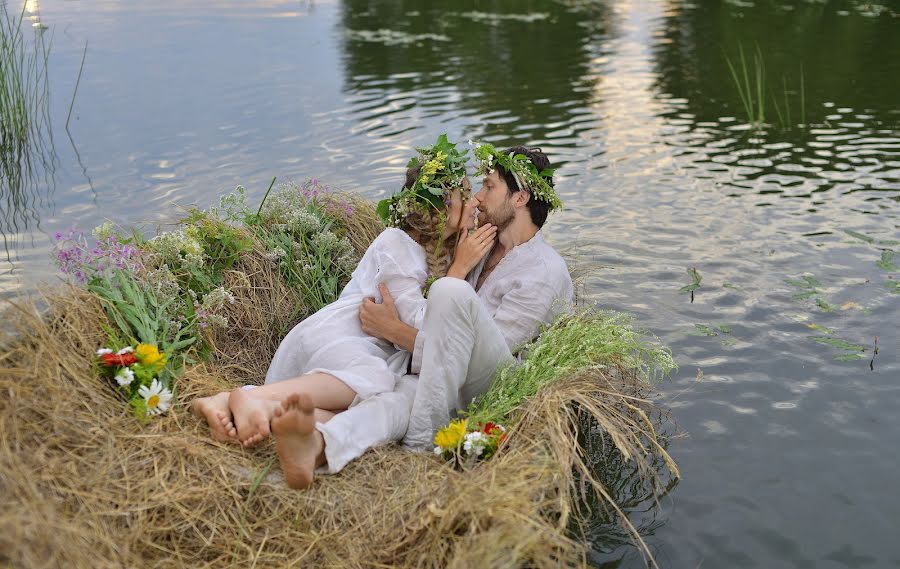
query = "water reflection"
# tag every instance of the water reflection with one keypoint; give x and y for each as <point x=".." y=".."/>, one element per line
<point x="28" y="159"/>
<point x="637" y="495"/>
<point x="517" y="68"/>
<point x="816" y="76"/>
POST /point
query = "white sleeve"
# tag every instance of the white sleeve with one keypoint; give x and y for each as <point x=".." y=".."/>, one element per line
<point x="404" y="276"/>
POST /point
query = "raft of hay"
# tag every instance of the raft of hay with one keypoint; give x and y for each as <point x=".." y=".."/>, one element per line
<point x="86" y="484"/>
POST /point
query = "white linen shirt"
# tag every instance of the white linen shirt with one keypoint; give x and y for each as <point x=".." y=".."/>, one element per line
<point x="528" y="288"/>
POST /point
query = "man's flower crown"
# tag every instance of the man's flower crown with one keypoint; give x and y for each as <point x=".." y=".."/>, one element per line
<point x="522" y="169"/>
<point x="443" y="170"/>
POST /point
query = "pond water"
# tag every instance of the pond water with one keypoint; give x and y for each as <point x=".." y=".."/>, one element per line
<point x="790" y="454"/>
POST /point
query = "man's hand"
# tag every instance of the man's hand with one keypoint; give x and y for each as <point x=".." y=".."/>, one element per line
<point x="470" y="249"/>
<point x="382" y="321"/>
<point x="378" y="319"/>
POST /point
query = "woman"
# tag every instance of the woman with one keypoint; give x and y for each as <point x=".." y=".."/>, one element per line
<point x="327" y="356"/>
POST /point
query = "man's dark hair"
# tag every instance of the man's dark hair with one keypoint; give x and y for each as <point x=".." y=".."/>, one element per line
<point x="537" y="208"/>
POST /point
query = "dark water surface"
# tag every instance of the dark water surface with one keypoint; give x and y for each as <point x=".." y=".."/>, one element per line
<point x="791" y="457"/>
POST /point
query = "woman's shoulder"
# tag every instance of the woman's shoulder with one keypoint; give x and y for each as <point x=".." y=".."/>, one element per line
<point x="395" y="240"/>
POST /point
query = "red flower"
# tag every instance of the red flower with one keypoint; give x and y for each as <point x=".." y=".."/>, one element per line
<point x="114" y="360"/>
<point x="491" y="429"/>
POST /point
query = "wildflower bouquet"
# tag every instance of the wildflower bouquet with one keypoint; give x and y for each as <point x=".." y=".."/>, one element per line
<point x="464" y="445"/>
<point x="137" y="371"/>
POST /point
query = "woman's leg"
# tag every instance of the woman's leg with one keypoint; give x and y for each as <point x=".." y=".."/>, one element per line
<point x="253" y="409"/>
<point x="301" y="448"/>
<point x="215" y="410"/>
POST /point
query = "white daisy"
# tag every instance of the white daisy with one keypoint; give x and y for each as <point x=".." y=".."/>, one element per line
<point x="438" y="451"/>
<point x="124" y="377"/>
<point x="125" y="350"/>
<point x="157" y="397"/>
<point x="103" y="351"/>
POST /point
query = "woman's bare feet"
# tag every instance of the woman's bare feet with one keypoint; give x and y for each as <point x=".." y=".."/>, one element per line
<point x="213" y="409"/>
<point x="251" y="416"/>
<point x="299" y="444"/>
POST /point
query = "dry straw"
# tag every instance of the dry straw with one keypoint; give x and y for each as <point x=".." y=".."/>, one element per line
<point x="85" y="484"/>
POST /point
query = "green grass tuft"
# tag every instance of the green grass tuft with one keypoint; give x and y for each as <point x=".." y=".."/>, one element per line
<point x="585" y="340"/>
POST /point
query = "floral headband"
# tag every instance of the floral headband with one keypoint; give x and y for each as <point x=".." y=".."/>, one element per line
<point x="522" y="169"/>
<point x="443" y="170"/>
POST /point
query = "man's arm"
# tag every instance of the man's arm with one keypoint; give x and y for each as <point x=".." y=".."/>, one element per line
<point x="383" y="321"/>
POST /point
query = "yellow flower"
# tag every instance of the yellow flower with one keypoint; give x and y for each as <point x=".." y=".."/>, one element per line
<point x="424" y="179"/>
<point x="452" y="435"/>
<point x="432" y="166"/>
<point x="149" y="355"/>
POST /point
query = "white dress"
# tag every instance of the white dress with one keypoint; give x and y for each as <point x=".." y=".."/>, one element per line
<point x="332" y="340"/>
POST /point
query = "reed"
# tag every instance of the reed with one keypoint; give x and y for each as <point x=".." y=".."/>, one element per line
<point x="27" y="155"/>
<point x="750" y="81"/>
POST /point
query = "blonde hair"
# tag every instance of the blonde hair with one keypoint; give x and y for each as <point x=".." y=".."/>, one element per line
<point x="426" y="228"/>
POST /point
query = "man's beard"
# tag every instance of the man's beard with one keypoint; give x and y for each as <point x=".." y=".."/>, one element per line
<point x="502" y="217"/>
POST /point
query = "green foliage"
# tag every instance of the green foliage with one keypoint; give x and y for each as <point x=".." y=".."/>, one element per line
<point x="304" y="231"/>
<point x="886" y="262"/>
<point x="586" y="340"/>
<point x="821" y="303"/>
<point x="858" y="235"/>
<point x="810" y="289"/>
<point x="27" y="154"/>
<point x="852" y="352"/>
<point x="750" y="81"/>
<point x="695" y="284"/>
<point x="704" y="330"/>
<point x="138" y="313"/>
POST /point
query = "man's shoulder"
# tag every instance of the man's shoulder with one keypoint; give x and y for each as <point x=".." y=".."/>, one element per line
<point x="551" y="260"/>
<point x="542" y="265"/>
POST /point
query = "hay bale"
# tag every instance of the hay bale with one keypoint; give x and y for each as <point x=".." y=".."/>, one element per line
<point x="86" y="484"/>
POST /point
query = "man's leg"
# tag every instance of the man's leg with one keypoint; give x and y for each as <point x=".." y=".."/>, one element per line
<point x="462" y="350"/>
<point x="375" y="421"/>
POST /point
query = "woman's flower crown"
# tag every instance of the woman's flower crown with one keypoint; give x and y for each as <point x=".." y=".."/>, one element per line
<point x="522" y="169"/>
<point x="443" y="170"/>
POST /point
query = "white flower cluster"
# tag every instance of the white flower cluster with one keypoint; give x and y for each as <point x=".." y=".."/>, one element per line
<point x="474" y="443"/>
<point x="276" y="254"/>
<point x="339" y="249"/>
<point x="179" y="248"/>
<point x="233" y="205"/>
<point x="287" y="210"/>
<point x="217" y="298"/>
<point x="303" y="221"/>
<point x="163" y="284"/>
<point x="105" y="231"/>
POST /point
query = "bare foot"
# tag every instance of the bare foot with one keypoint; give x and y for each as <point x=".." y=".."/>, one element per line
<point x="251" y="416"/>
<point x="228" y="425"/>
<point x="212" y="408"/>
<point x="298" y="442"/>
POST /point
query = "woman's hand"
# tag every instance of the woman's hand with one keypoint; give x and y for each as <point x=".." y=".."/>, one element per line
<point x="471" y="249"/>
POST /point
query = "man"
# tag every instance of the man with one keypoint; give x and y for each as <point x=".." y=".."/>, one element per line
<point x="473" y="324"/>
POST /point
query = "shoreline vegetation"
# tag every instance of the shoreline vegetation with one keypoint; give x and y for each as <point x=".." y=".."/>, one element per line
<point x="86" y="481"/>
<point x="27" y="151"/>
